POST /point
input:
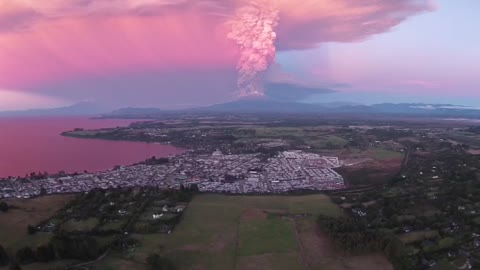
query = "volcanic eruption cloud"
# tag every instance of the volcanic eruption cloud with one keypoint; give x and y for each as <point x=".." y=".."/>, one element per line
<point x="253" y="29"/>
<point x="77" y="40"/>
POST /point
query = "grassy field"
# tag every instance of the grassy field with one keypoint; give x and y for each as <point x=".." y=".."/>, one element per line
<point x="241" y="232"/>
<point x="412" y="237"/>
<point x="13" y="224"/>
<point x="465" y="137"/>
<point x="316" y="137"/>
<point x="280" y="131"/>
<point x="327" y="141"/>
<point x="80" y="225"/>
<point x="385" y="154"/>
<point x="216" y="232"/>
<point x="265" y="235"/>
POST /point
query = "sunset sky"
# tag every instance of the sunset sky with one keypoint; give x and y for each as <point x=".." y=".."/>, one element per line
<point x="176" y="53"/>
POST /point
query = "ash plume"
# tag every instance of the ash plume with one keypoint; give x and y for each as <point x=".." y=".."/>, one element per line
<point x="253" y="30"/>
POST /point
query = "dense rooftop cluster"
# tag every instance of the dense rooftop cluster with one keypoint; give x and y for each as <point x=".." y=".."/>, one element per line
<point x="242" y="173"/>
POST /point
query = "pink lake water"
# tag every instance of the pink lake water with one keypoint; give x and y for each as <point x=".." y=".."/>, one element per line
<point x="35" y="145"/>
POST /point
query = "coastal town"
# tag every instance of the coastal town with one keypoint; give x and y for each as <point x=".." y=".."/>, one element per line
<point x="286" y="172"/>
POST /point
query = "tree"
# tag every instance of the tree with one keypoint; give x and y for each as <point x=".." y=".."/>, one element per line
<point x="31" y="229"/>
<point x="3" y="206"/>
<point x="156" y="262"/>
<point x="75" y="247"/>
<point x="25" y="255"/>
<point x="4" y="259"/>
<point x="45" y="253"/>
<point x="15" y="266"/>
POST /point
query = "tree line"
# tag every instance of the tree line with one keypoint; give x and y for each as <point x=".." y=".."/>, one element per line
<point x="354" y="236"/>
<point x="60" y="247"/>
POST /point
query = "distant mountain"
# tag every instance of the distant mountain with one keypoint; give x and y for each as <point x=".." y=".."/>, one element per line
<point x="135" y="113"/>
<point x="339" y="104"/>
<point x="271" y="106"/>
<point x="79" y="109"/>
<point x="431" y="110"/>
<point x="415" y="109"/>
<point x="262" y="106"/>
<point x="288" y="92"/>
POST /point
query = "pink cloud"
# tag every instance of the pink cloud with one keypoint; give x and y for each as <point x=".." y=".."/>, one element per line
<point x="68" y="48"/>
<point x="11" y="100"/>
<point x="420" y="83"/>
<point x="43" y="42"/>
<point x="308" y="23"/>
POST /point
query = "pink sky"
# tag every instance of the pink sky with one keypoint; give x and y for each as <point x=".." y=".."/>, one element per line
<point x="51" y="47"/>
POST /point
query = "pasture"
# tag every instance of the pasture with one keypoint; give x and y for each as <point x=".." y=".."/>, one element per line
<point x="13" y="224"/>
<point x="246" y="232"/>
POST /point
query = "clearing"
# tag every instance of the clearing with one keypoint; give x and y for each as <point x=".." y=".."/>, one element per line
<point x="13" y="224"/>
<point x="248" y="232"/>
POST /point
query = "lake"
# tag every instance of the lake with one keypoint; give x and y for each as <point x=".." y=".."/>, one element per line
<point x="35" y="145"/>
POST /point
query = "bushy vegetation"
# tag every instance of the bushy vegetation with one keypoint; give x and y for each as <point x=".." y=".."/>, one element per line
<point x="156" y="262"/>
<point x="96" y="222"/>
<point x="426" y="215"/>
<point x="355" y="237"/>
<point x="3" y="207"/>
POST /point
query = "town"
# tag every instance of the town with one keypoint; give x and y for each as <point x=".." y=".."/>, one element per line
<point x="407" y="190"/>
<point x="218" y="173"/>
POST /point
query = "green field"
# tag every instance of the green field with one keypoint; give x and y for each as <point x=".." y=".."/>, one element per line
<point x="385" y="154"/>
<point x="80" y="225"/>
<point x="262" y="236"/>
<point x="13" y="224"/>
<point x="412" y="237"/>
<point x="233" y="232"/>
<point x="316" y="137"/>
<point x="465" y="137"/>
<point x="327" y="141"/>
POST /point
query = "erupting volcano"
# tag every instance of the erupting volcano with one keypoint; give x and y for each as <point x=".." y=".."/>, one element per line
<point x="253" y="29"/>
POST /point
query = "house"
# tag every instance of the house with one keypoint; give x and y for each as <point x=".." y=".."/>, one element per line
<point x="157" y="216"/>
<point x="179" y="208"/>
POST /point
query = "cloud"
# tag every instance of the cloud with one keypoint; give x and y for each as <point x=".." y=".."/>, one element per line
<point x="285" y="86"/>
<point x="51" y="42"/>
<point x="16" y="19"/>
<point x="308" y="23"/>
<point x="303" y="24"/>
<point x="69" y="48"/>
<point x="167" y="90"/>
<point x="293" y="92"/>
<point x="14" y="100"/>
<point x="420" y="84"/>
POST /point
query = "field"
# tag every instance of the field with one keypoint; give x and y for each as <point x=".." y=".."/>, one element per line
<point x="247" y="232"/>
<point x="413" y="237"/>
<point x="327" y="142"/>
<point x="316" y="137"/>
<point x="80" y="225"/>
<point x="13" y="224"/>
<point x="465" y="137"/>
<point x="216" y="232"/>
<point x="382" y="154"/>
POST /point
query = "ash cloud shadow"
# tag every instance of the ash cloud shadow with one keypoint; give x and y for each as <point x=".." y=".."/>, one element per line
<point x="293" y="92"/>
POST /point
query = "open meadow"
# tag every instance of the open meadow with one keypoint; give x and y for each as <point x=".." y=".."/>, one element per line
<point x="24" y="212"/>
<point x="216" y="232"/>
<point x="247" y="232"/>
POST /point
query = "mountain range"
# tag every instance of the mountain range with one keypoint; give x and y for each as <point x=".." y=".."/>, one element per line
<point x="78" y="109"/>
<point x="264" y="106"/>
<point x="269" y="106"/>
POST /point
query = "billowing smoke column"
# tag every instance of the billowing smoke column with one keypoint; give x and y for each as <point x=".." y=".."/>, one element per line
<point x="253" y="29"/>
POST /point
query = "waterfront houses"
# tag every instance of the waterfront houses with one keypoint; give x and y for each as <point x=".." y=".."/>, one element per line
<point x="236" y="174"/>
